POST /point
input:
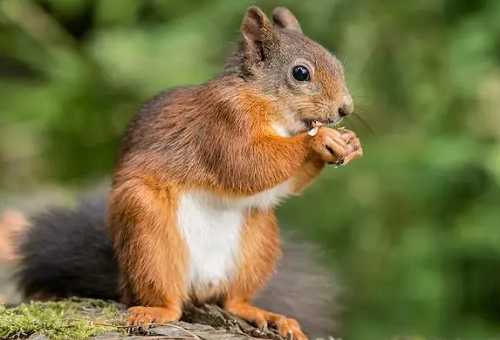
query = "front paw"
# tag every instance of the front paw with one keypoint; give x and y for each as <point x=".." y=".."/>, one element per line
<point x="336" y="146"/>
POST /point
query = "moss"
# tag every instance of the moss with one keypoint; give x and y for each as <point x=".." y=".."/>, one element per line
<point x="66" y="319"/>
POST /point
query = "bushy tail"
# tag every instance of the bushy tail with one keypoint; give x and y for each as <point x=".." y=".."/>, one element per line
<point x="66" y="252"/>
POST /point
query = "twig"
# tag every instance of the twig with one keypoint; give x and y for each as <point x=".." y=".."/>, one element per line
<point x="155" y="337"/>
<point x="174" y="326"/>
<point x="193" y="335"/>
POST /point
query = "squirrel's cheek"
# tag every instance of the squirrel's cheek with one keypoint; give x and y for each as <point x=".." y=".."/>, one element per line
<point x="315" y="90"/>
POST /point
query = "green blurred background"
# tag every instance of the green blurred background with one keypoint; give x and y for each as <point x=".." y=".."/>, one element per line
<point x="412" y="228"/>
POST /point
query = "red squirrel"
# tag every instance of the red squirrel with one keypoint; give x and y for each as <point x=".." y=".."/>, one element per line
<point x="200" y="169"/>
<point x="191" y="208"/>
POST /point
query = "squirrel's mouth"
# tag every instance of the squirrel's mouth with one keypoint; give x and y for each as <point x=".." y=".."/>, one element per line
<point x="324" y="121"/>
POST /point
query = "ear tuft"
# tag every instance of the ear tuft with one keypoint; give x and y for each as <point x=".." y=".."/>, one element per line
<point x="284" y="18"/>
<point x="256" y="26"/>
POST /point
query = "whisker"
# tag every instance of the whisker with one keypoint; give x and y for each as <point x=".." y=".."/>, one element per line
<point x="361" y="109"/>
<point x="365" y="124"/>
<point x="349" y="124"/>
<point x="360" y="96"/>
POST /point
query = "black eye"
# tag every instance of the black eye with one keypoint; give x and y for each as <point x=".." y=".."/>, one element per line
<point x="300" y="73"/>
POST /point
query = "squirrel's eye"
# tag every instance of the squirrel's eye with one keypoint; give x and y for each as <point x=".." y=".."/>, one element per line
<point x="300" y="73"/>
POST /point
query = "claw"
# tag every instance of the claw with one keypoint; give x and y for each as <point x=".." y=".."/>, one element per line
<point x="262" y="329"/>
<point x="340" y="161"/>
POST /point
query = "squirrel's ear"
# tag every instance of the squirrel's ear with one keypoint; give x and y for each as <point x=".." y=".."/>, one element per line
<point x="283" y="18"/>
<point x="257" y="30"/>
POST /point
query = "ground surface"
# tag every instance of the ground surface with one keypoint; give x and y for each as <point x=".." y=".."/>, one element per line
<point x="99" y="320"/>
<point x="94" y="319"/>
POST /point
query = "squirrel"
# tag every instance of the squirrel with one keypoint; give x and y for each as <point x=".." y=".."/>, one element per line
<point x="190" y="213"/>
<point x="58" y="252"/>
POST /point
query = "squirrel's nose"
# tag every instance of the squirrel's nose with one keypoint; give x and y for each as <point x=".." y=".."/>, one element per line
<point x="347" y="106"/>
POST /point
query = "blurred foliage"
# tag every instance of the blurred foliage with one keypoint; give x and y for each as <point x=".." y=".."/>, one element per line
<point x="412" y="227"/>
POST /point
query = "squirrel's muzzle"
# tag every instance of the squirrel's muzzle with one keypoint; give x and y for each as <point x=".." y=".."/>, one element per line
<point x="347" y="106"/>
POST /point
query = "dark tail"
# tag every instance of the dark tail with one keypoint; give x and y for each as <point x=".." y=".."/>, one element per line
<point x="67" y="253"/>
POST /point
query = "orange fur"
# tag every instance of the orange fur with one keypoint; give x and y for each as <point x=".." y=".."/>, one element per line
<point x="151" y="254"/>
<point x="307" y="174"/>
<point x="260" y="252"/>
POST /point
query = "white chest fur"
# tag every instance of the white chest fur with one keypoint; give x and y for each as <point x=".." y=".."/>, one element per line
<point x="211" y="228"/>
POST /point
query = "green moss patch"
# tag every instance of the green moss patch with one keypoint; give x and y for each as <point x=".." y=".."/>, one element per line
<point x="66" y="319"/>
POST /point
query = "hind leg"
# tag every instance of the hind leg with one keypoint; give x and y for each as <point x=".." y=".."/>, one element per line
<point x="151" y="253"/>
<point x="261" y="250"/>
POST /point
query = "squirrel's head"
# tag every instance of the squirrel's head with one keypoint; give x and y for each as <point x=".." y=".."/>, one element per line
<point x="304" y="79"/>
